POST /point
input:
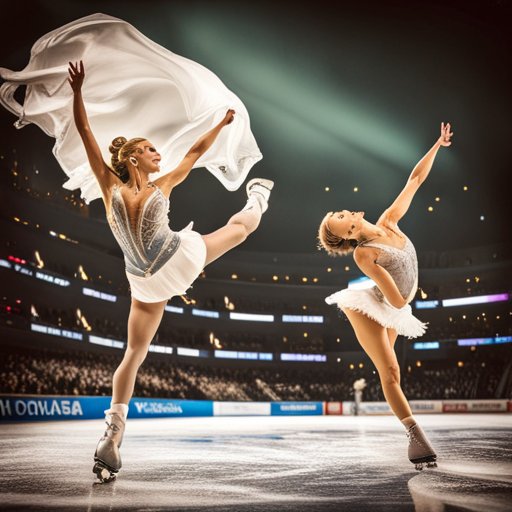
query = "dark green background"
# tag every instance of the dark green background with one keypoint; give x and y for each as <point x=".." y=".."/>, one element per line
<point x="339" y="95"/>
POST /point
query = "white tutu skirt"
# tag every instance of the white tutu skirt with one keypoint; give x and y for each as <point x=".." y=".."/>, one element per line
<point x="370" y="303"/>
<point x="177" y="275"/>
<point x="133" y="87"/>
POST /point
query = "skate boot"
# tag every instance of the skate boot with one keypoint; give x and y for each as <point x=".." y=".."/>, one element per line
<point x="260" y="188"/>
<point x="420" y="450"/>
<point x="107" y="457"/>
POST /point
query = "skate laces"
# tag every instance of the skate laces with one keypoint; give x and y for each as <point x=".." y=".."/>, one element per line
<point x="414" y="437"/>
<point x="111" y="425"/>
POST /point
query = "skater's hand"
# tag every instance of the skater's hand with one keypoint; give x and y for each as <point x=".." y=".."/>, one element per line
<point x="76" y="76"/>
<point x="228" y="118"/>
<point x="446" y="135"/>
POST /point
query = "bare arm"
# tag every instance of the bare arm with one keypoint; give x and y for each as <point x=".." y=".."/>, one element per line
<point x="366" y="257"/>
<point x="418" y="175"/>
<point x="102" y="172"/>
<point x="200" y="147"/>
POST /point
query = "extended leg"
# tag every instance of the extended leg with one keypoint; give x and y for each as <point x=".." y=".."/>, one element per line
<point x="242" y="224"/>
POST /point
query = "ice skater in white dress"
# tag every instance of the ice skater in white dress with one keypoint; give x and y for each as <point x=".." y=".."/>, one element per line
<point x="160" y="263"/>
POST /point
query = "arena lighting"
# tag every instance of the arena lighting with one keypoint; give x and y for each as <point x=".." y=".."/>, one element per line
<point x="17" y="260"/>
<point x="89" y="292"/>
<point x="426" y="345"/>
<point x="426" y="304"/>
<point x="484" y="341"/>
<point x="205" y="313"/>
<point x="305" y="319"/>
<point x="56" y="331"/>
<point x="19" y="266"/>
<point x="189" y="352"/>
<point x="503" y="339"/>
<point x="361" y="283"/>
<point x="106" y="342"/>
<point x="160" y="349"/>
<point x="52" y="279"/>
<point x="174" y="309"/>
<point x="304" y="358"/>
<point x="251" y="317"/>
<point x="479" y="299"/>
<point x="475" y="341"/>
<point x="251" y="356"/>
<point x="226" y="354"/>
<point x="23" y="270"/>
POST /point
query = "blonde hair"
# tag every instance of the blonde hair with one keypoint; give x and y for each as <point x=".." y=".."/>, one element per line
<point x="121" y="149"/>
<point x="333" y="244"/>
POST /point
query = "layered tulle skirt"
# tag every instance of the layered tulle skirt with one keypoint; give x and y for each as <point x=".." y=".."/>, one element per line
<point x="374" y="305"/>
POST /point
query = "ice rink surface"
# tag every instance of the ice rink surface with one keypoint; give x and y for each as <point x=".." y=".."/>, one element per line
<point x="246" y="464"/>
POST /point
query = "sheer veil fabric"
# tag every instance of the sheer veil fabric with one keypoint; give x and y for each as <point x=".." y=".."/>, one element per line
<point x="134" y="88"/>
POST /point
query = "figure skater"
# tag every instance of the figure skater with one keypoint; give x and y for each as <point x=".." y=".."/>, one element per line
<point x="160" y="263"/>
<point x="387" y="256"/>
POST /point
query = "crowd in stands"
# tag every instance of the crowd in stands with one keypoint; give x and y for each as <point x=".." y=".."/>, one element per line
<point x="474" y="381"/>
<point x="88" y="373"/>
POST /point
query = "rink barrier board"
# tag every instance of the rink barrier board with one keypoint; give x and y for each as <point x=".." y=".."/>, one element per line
<point x="476" y="406"/>
<point x="53" y="408"/>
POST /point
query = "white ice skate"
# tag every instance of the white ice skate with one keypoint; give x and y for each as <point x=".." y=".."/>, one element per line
<point x="260" y="188"/>
<point x="107" y="457"/>
<point x="421" y="453"/>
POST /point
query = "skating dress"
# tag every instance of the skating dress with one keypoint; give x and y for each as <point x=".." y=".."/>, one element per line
<point x="160" y="263"/>
<point x="402" y="265"/>
<point x="133" y="87"/>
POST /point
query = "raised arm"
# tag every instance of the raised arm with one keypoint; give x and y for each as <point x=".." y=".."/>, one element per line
<point x="103" y="173"/>
<point x="419" y="174"/>
<point x="201" y="146"/>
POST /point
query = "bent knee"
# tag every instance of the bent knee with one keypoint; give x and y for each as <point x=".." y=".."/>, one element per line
<point x="390" y="374"/>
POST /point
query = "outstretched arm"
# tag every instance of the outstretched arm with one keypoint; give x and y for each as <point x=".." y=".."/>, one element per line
<point x="102" y="172"/>
<point x="180" y="173"/>
<point x="419" y="174"/>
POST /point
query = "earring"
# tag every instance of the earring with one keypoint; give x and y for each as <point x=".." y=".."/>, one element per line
<point x="133" y="161"/>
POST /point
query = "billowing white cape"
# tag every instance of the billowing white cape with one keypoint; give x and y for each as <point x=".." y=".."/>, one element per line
<point x="133" y="88"/>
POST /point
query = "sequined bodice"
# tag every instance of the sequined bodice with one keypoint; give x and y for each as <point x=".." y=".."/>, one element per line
<point x="149" y="244"/>
<point x="402" y="265"/>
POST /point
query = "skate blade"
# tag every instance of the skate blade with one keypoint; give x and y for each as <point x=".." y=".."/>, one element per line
<point x="104" y="473"/>
<point x="429" y="465"/>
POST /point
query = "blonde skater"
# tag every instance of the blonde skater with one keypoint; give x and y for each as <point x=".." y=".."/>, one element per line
<point x="159" y="263"/>
<point x="379" y="314"/>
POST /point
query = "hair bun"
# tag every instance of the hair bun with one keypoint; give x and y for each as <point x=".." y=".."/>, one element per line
<point x="117" y="144"/>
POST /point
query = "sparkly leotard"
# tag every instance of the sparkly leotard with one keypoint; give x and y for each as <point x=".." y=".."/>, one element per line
<point x="151" y="243"/>
<point x="402" y="265"/>
<point x="160" y="263"/>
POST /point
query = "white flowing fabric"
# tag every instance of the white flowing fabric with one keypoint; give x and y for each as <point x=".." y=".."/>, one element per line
<point x="133" y="88"/>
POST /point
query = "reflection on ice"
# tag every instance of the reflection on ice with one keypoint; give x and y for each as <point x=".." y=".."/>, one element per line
<point x="260" y="464"/>
<point x="469" y="485"/>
